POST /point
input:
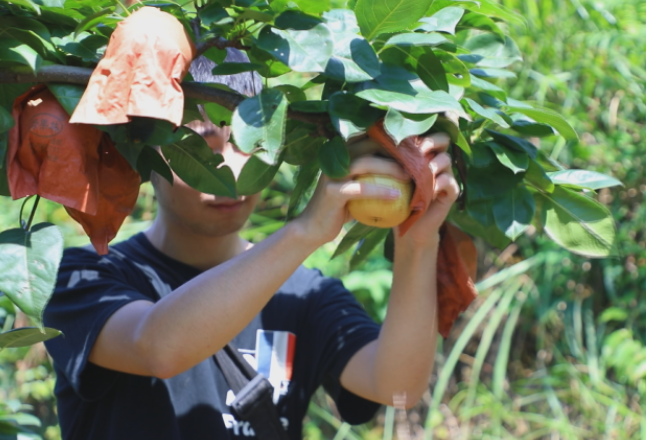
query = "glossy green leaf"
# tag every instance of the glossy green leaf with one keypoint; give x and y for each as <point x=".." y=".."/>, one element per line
<point x="431" y="72"/>
<point x="496" y="51"/>
<point x="304" y="179"/>
<point x="457" y="72"/>
<point x="311" y="6"/>
<point x="530" y="128"/>
<point x="583" y="179"/>
<point x="297" y="20"/>
<point x="473" y="20"/>
<point x="514" y="143"/>
<point x="310" y="106"/>
<point x="494" y="9"/>
<point x="218" y="114"/>
<point x="492" y="73"/>
<point x="346" y="107"/>
<point x="29" y="4"/>
<point x="488" y="113"/>
<point x="29" y="262"/>
<point x="357" y="232"/>
<point x="194" y="162"/>
<point x="514" y="211"/>
<point x="233" y="68"/>
<point x="88" y="47"/>
<point x="302" y="51"/>
<point x="402" y="125"/>
<point x="13" y="51"/>
<point x="68" y="95"/>
<point x="292" y="93"/>
<point x="444" y="20"/>
<point x="91" y="20"/>
<point x="354" y="59"/>
<point x="42" y="46"/>
<point x="26" y="336"/>
<point x="334" y="158"/>
<point x="416" y="39"/>
<point x="259" y="122"/>
<point x="6" y="122"/>
<point x="488" y="87"/>
<point x="211" y="13"/>
<point x="150" y="160"/>
<point x="516" y="161"/>
<point x="130" y="152"/>
<point x="255" y="176"/>
<point x="432" y="102"/>
<point x="549" y="117"/>
<point x="302" y="145"/>
<point x="380" y="16"/>
<point x="367" y="245"/>
<point x="537" y="177"/>
<point x="578" y="223"/>
<point x="490" y="233"/>
<point x="482" y="155"/>
<point x="491" y="181"/>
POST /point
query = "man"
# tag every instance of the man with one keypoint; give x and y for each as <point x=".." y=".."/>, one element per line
<point x="142" y="324"/>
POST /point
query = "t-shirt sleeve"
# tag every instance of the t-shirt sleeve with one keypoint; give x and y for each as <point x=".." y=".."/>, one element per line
<point x="341" y="327"/>
<point x="89" y="289"/>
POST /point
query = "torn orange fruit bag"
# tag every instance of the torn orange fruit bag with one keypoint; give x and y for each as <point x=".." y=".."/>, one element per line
<point x="75" y="165"/>
<point x="457" y="257"/>
<point x="148" y="55"/>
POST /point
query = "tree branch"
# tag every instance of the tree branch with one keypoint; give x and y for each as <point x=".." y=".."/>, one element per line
<point x="81" y="76"/>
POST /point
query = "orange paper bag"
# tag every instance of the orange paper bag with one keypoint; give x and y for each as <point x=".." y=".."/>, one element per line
<point x="457" y="257"/>
<point x="75" y="165"/>
<point x="148" y="55"/>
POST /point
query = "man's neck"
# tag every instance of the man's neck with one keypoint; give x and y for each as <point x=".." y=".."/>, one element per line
<point x="202" y="252"/>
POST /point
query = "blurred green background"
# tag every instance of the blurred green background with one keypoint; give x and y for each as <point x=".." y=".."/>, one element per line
<point x="553" y="348"/>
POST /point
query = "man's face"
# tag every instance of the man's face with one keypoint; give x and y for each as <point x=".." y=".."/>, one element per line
<point x="206" y="214"/>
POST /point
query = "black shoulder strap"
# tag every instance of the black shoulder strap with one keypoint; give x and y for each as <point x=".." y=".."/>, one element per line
<point x="253" y="402"/>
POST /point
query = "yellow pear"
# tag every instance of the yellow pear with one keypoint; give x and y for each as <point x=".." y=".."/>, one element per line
<point x="379" y="212"/>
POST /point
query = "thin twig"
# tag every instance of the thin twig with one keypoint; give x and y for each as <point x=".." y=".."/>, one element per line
<point x="22" y="208"/>
<point x="220" y="43"/>
<point x="33" y="212"/>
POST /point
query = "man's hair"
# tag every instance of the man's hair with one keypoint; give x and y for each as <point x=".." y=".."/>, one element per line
<point x="247" y="83"/>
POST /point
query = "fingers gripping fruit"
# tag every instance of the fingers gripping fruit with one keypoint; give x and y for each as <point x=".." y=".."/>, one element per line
<point x="378" y="212"/>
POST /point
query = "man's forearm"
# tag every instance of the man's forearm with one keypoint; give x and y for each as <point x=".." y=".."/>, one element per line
<point x="219" y="303"/>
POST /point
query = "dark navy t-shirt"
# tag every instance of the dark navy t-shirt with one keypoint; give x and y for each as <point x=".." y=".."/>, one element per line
<point x="302" y="338"/>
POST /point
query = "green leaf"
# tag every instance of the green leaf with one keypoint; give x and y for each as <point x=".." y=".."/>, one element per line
<point x="370" y="242"/>
<point x="311" y="6"/>
<point x="68" y="95"/>
<point x="516" y="161"/>
<point x="578" y="223"/>
<point x="29" y="4"/>
<point x="491" y="234"/>
<point x="549" y="117"/>
<point x="348" y="107"/>
<point x="514" y="143"/>
<point x="493" y="9"/>
<point x="25" y="336"/>
<point x="488" y="113"/>
<point x="423" y="103"/>
<point x="211" y="13"/>
<point x="6" y="122"/>
<point x="416" y="39"/>
<point x="496" y="51"/>
<point x="42" y="46"/>
<point x="353" y="60"/>
<point x="310" y="106"/>
<point x="530" y="128"/>
<point x="357" y="233"/>
<point x="15" y="52"/>
<point x="150" y="160"/>
<point x="537" y="177"/>
<point x="218" y="114"/>
<point x="29" y="261"/>
<point x="259" y="122"/>
<point x="473" y="20"/>
<point x="88" y="47"/>
<point x="400" y="126"/>
<point x="129" y="151"/>
<point x="583" y="179"/>
<point x="380" y="16"/>
<point x="490" y="182"/>
<point x="482" y="155"/>
<point x="255" y="176"/>
<point x="302" y="145"/>
<point x="194" y="162"/>
<point x="304" y="179"/>
<point x="514" y="211"/>
<point x="296" y="20"/>
<point x="443" y="20"/>
<point x="457" y="72"/>
<point x="233" y="68"/>
<point x="492" y="73"/>
<point x="431" y="72"/>
<point x="92" y="20"/>
<point x="292" y="93"/>
<point x="302" y="51"/>
<point x="334" y="158"/>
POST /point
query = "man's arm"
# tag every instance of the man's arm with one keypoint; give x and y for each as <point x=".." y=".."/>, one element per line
<point x="399" y="363"/>
<point x="197" y="319"/>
